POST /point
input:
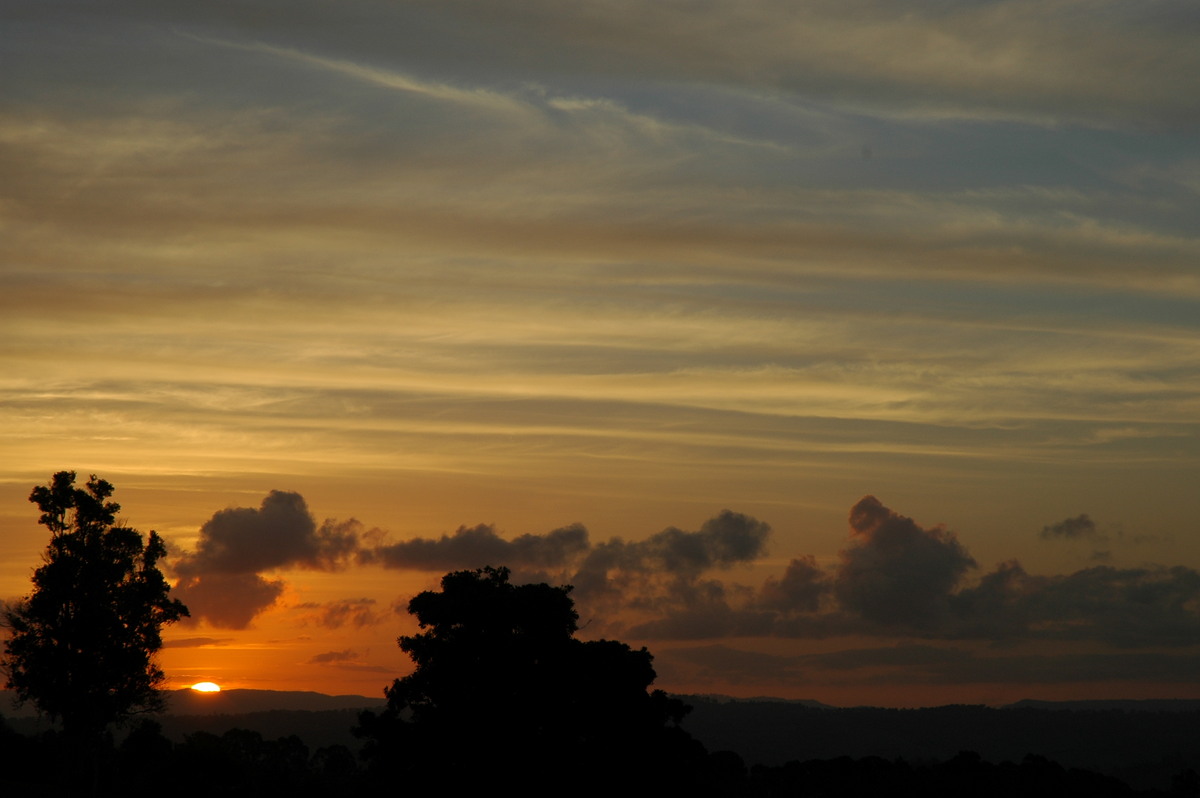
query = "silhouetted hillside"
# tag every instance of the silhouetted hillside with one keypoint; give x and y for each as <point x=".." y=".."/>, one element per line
<point x="1145" y="748"/>
<point x="1130" y="705"/>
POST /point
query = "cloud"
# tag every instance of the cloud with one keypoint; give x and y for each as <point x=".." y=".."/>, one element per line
<point x="925" y="664"/>
<point x="1081" y="526"/>
<point x="197" y="642"/>
<point x="801" y="587"/>
<point x="896" y="572"/>
<point x="723" y="541"/>
<point x="329" y="657"/>
<point x="897" y="578"/>
<point x="894" y="577"/>
<point x="346" y="659"/>
<point x="477" y="546"/>
<point x="221" y="581"/>
<point x="1124" y="607"/>
<point x="227" y="601"/>
<point x="280" y="533"/>
<point x="358" y="613"/>
<point x="659" y="578"/>
<point x="1022" y="60"/>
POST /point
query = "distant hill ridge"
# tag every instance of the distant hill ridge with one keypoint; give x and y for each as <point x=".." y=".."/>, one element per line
<point x="1123" y="705"/>
<point x="237" y="702"/>
<point x="186" y="701"/>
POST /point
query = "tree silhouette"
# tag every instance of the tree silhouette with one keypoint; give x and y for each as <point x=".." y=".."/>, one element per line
<point x="501" y="683"/>
<point x="82" y="644"/>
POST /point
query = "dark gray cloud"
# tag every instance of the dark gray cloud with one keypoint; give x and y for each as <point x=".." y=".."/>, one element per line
<point x="897" y="578"/>
<point x="894" y="578"/>
<point x="477" y="546"/>
<point x="801" y="587"/>
<point x="227" y="601"/>
<point x="723" y="541"/>
<point x="1124" y="607"/>
<point x="221" y="581"/>
<point x="281" y="533"/>
<point x="660" y="576"/>
<point x="895" y="572"/>
<point x="1081" y="526"/>
<point x="659" y="580"/>
<point x="357" y="612"/>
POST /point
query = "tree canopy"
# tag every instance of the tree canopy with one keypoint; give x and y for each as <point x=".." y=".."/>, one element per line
<point x="81" y="646"/>
<point x="501" y="682"/>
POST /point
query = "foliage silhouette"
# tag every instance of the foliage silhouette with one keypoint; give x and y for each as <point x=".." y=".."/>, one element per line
<point x="82" y="644"/>
<point x="501" y="683"/>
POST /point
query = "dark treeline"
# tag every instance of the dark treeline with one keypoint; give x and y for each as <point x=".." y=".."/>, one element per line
<point x="240" y="762"/>
<point x="1144" y="744"/>
<point x="145" y="762"/>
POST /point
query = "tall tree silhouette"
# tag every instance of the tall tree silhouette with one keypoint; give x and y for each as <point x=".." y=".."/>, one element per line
<point x="82" y="644"/>
<point x="501" y="683"/>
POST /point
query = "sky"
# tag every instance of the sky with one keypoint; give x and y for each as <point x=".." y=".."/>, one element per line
<point x="835" y="350"/>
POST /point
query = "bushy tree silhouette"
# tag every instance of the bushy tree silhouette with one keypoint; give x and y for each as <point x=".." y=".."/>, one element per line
<point x="501" y="683"/>
<point x="81" y="645"/>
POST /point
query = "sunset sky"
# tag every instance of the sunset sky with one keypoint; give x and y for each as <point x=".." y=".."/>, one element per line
<point x="845" y="350"/>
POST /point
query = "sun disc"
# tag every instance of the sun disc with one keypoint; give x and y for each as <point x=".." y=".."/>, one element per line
<point x="206" y="687"/>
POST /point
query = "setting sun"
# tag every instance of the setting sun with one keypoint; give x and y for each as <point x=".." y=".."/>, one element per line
<point x="206" y="687"/>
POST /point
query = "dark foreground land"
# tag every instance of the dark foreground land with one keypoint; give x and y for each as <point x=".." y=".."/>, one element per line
<point x="733" y="748"/>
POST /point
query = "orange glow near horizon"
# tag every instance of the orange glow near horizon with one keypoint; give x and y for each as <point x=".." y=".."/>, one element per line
<point x="206" y="687"/>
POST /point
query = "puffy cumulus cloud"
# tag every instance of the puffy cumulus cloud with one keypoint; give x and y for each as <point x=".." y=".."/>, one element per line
<point x="1081" y="526"/>
<point x="896" y="572"/>
<point x="280" y="533"/>
<point x="356" y="612"/>
<point x="221" y="580"/>
<point x="801" y="587"/>
<point x="723" y="541"/>
<point x="1124" y="607"/>
<point x="227" y="601"/>
<point x="899" y="579"/>
<point x="894" y="578"/>
<point x="660" y="579"/>
<point x="477" y="546"/>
